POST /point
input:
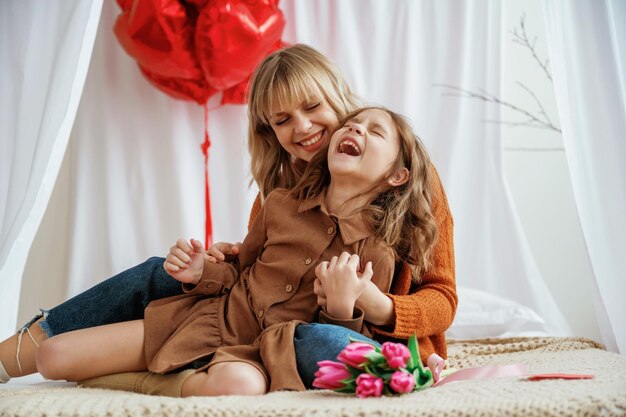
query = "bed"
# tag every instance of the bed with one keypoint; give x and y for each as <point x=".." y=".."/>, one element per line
<point x="604" y="395"/>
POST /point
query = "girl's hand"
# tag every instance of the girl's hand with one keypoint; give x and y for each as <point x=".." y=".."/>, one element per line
<point x="218" y="251"/>
<point x="185" y="262"/>
<point x="319" y="290"/>
<point x="342" y="283"/>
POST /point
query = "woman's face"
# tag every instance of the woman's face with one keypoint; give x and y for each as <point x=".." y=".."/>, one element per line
<point x="305" y="128"/>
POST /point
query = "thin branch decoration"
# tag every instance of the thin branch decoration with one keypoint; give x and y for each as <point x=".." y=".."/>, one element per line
<point x="522" y="39"/>
<point x="539" y="120"/>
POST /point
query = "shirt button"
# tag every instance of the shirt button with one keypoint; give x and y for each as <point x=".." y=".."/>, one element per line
<point x="288" y="288"/>
<point x="260" y="313"/>
<point x="330" y="230"/>
<point x="308" y="261"/>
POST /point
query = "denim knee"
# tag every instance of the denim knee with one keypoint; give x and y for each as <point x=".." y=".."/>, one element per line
<point x="317" y="342"/>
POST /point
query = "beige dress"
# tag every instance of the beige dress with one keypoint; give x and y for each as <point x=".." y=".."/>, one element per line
<point x="247" y="310"/>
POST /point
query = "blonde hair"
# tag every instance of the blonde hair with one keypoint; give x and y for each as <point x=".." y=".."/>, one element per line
<point x="286" y="78"/>
<point x="400" y="215"/>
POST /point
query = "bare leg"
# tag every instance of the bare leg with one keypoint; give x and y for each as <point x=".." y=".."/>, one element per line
<point x="226" y="378"/>
<point x="27" y="351"/>
<point x="95" y="351"/>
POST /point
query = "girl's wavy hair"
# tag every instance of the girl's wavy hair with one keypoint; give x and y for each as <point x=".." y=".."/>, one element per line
<point x="400" y="215"/>
<point x="288" y="78"/>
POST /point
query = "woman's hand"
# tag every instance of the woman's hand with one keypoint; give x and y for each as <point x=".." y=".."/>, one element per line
<point x="376" y="305"/>
<point x="341" y="284"/>
<point x="185" y="262"/>
<point x="218" y="251"/>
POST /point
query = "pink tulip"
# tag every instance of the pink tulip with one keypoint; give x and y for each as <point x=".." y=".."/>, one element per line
<point x="402" y="382"/>
<point x="368" y="386"/>
<point x="354" y="354"/>
<point x="396" y="354"/>
<point x="330" y="374"/>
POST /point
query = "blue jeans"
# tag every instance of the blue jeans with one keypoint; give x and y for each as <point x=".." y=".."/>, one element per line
<point x="125" y="296"/>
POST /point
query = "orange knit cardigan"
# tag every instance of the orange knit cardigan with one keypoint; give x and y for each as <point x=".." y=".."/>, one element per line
<point x="425" y="309"/>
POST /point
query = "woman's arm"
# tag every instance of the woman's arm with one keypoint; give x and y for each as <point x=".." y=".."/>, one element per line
<point x="377" y="306"/>
<point x="426" y="308"/>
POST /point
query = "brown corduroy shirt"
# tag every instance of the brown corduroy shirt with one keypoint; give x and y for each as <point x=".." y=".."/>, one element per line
<point x="247" y="310"/>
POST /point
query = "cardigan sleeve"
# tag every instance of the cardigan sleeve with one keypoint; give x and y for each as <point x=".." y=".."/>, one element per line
<point x="427" y="308"/>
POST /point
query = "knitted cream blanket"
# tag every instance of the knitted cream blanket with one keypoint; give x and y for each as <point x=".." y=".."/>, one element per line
<point x="512" y="396"/>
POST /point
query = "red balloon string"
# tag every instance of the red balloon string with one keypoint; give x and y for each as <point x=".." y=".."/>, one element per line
<point x="208" y="231"/>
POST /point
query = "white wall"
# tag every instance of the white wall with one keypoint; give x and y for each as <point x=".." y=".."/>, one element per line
<point x="538" y="177"/>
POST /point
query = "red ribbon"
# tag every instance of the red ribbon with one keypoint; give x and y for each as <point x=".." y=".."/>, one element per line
<point x="208" y="228"/>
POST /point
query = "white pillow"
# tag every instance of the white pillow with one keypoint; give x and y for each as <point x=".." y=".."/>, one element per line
<point x="482" y="315"/>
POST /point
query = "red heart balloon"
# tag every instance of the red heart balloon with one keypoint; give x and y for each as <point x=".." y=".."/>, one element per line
<point x="233" y="36"/>
<point x="185" y="89"/>
<point x="191" y="49"/>
<point x="125" y="4"/>
<point x="159" y="34"/>
<point x="239" y="93"/>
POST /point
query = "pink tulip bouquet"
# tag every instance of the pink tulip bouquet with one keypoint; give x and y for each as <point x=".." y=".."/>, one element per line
<point x="370" y="371"/>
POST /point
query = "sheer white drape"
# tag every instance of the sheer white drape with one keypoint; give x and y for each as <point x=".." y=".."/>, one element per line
<point x="587" y="44"/>
<point x="136" y="165"/>
<point x="45" y="49"/>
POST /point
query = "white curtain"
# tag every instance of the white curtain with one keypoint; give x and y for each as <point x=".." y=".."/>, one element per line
<point x="587" y="45"/>
<point x="136" y="179"/>
<point x="45" y="49"/>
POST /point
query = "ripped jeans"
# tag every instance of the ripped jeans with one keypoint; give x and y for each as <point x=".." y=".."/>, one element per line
<point x="125" y="296"/>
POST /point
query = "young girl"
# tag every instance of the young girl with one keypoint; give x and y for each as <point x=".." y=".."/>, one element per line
<point x="367" y="198"/>
<point x="296" y="96"/>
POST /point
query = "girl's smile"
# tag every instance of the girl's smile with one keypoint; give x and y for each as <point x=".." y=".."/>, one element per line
<point x="364" y="148"/>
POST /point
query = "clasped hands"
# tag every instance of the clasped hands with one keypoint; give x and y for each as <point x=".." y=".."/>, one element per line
<point x="340" y="283"/>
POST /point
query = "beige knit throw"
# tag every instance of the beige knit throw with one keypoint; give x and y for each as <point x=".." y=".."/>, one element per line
<point x="513" y="396"/>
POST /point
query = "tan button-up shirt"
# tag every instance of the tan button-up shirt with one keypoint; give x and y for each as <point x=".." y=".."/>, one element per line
<point x="270" y="283"/>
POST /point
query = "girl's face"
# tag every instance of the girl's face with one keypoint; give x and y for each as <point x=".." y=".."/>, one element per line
<point x="305" y="128"/>
<point x="364" y="148"/>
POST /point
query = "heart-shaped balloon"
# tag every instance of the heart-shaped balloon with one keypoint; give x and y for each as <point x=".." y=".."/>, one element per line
<point x="233" y="36"/>
<point x="239" y="93"/>
<point x="159" y="34"/>
<point x="191" y="49"/>
<point x="181" y="88"/>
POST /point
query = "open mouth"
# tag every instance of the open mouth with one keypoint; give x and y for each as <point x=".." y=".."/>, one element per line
<point x="349" y="147"/>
